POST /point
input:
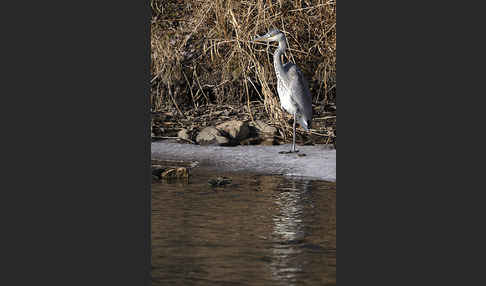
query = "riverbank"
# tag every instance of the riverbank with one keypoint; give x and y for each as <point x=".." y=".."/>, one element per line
<point x="167" y="124"/>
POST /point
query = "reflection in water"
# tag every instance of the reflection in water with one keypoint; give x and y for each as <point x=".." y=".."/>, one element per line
<point x="288" y="229"/>
<point x="288" y="221"/>
<point x="260" y="230"/>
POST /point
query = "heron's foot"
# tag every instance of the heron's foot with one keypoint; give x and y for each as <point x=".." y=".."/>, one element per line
<point x="288" y="152"/>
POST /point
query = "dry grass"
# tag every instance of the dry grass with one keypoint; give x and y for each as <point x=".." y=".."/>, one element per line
<point x="202" y="52"/>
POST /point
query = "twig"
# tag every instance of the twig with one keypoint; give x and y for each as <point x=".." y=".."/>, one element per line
<point x="190" y="89"/>
<point x="154" y="78"/>
<point x="199" y="84"/>
<point x="307" y="8"/>
<point x="174" y="101"/>
<point x="325" y="117"/>
<point x="313" y="132"/>
<point x="248" y="78"/>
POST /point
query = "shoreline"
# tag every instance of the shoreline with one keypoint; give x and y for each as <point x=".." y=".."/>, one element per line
<point x="319" y="162"/>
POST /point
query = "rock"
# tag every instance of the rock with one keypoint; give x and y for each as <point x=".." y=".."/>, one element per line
<point x="265" y="132"/>
<point x="155" y="179"/>
<point x="237" y="130"/>
<point x="219" y="181"/>
<point x="172" y="173"/>
<point x="263" y="128"/>
<point x="211" y="136"/>
<point x="160" y="170"/>
<point x="157" y="131"/>
<point x="157" y="170"/>
<point x="183" y="134"/>
<point x="182" y="172"/>
<point x="251" y="141"/>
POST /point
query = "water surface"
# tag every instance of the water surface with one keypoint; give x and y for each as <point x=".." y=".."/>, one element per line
<point x="259" y="230"/>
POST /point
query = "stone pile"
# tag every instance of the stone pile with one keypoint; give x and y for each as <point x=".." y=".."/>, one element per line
<point x="235" y="132"/>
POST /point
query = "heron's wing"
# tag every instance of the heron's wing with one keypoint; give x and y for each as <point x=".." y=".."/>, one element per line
<point x="299" y="87"/>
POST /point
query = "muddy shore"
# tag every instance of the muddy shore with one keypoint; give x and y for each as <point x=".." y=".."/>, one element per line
<point x="167" y="123"/>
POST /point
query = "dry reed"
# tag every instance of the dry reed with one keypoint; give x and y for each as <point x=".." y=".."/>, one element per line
<point x="202" y="52"/>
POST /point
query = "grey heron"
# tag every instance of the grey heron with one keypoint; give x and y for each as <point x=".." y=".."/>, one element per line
<point x="292" y="87"/>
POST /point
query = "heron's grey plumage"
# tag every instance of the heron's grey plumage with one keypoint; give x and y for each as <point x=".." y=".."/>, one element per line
<point x="292" y="87"/>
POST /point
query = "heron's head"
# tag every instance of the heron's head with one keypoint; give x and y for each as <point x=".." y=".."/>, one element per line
<point x="271" y="36"/>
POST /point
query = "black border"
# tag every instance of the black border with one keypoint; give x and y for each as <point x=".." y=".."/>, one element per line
<point x="76" y="144"/>
<point x="409" y="120"/>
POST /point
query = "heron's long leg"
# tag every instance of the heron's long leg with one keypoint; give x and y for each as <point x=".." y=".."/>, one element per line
<point x="292" y="148"/>
<point x="293" y="139"/>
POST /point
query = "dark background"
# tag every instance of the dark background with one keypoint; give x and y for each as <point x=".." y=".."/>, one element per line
<point x="75" y="144"/>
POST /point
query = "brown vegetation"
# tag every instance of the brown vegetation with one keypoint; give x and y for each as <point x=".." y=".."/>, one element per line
<point x="202" y="54"/>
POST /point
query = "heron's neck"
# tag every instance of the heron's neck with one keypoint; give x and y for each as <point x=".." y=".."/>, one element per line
<point x="277" y="62"/>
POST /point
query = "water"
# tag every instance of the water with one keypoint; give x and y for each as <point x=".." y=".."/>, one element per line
<point x="259" y="230"/>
